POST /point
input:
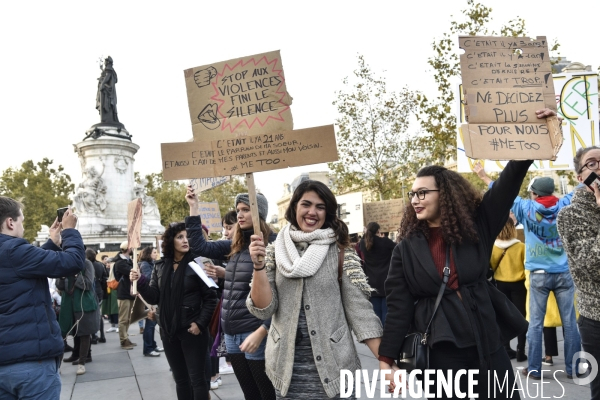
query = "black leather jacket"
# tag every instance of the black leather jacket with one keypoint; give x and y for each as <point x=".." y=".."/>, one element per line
<point x="199" y="301"/>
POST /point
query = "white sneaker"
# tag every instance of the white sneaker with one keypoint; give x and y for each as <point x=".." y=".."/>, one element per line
<point x="112" y="329"/>
<point x="227" y="369"/>
<point x="159" y="349"/>
<point x="214" y="385"/>
<point x="80" y="369"/>
<point x="219" y="381"/>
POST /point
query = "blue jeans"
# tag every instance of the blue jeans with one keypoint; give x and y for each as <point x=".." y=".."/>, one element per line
<point x="149" y="342"/>
<point x="233" y="343"/>
<point x="32" y="380"/>
<point x="380" y="308"/>
<point x="564" y="290"/>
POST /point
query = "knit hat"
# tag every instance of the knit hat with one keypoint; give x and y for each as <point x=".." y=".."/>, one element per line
<point x="124" y="245"/>
<point x="542" y="186"/>
<point x="263" y="204"/>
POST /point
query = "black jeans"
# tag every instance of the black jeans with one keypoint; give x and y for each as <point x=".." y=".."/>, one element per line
<point x="589" y="330"/>
<point x="517" y="294"/>
<point x="186" y="354"/>
<point x="445" y="356"/>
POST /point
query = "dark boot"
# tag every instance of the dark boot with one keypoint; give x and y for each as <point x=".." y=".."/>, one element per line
<point x="511" y="353"/>
<point x="521" y="355"/>
<point x="68" y="348"/>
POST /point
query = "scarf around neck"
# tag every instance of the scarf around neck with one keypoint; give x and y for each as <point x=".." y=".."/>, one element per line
<point x="171" y="295"/>
<point x="289" y="261"/>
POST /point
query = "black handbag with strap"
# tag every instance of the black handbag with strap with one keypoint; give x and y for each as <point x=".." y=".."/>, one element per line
<point x="414" y="353"/>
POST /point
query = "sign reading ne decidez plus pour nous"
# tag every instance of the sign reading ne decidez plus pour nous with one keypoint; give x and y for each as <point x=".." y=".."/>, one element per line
<point x="505" y="80"/>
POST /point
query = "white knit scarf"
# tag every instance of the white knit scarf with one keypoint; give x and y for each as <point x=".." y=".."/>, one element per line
<point x="289" y="262"/>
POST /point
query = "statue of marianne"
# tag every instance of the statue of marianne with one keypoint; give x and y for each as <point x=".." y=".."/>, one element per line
<point x="106" y="98"/>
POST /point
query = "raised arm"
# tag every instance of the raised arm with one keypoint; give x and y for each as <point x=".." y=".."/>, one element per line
<point x="218" y="250"/>
<point x="478" y="169"/>
<point x="50" y="261"/>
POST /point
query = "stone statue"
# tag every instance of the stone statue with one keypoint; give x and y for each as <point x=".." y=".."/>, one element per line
<point x="91" y="192"/>
<point x="106" y="98"/>
<point x="150" y="206"/>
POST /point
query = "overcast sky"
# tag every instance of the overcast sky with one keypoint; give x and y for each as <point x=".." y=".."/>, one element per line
<point x="50" y="52"/>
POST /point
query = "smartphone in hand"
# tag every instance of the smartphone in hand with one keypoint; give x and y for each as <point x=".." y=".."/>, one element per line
<point x="60" y="212"/>
<point x="593" y="177"/>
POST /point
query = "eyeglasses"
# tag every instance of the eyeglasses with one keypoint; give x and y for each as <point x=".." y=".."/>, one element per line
<point x="591" y="165"/>
<point x="420" y="193"/>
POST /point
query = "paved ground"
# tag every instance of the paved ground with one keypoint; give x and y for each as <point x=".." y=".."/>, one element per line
<point x="122" y="374"/>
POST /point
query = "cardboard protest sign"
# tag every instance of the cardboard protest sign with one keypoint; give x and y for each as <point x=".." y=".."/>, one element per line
<point x="505" y="80"/>
<point x="134" y="232"/>
<point x="210" y="216"/>
<point x="387" y="213"/>
<point x="246" y="154"/>
<point x="134" y="223"/>
<point x="203" y="184"/>
<point x="581" y="125"/>
<point x="246" y="96"/>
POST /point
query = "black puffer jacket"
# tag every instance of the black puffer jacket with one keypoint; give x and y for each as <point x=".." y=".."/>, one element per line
<point x="235" y="317"/>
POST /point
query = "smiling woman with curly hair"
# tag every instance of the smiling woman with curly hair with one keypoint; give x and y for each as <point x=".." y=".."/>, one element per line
<point x="437" y="282"/>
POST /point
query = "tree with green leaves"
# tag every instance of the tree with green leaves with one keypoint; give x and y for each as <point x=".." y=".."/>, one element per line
<point x="225" y="194"/>
<point x="372" y="125"/>
<point x="170" y="196"/>
<point x="41" y="189"/>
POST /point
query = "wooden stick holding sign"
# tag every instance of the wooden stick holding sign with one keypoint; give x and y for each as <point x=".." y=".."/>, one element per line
<point x="134" y="233"/>
<point x="254" y="207"/>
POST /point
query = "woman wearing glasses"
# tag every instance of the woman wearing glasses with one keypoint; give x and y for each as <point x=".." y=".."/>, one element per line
<point x="449" y="228"/>
<point x="245" y="335"/>
<point x="579" y="228"/>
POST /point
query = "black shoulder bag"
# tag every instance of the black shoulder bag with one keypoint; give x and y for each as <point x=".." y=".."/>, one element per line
<point x="414" y="353"/>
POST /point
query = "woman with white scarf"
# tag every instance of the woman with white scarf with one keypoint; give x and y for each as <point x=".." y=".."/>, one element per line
<point x="313" y="313"/>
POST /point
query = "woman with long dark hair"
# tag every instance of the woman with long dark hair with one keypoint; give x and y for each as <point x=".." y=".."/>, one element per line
<point x="446" y="235"/>
<point x="311" y="283"/>
<point x="377" y="252"/>
<point x="245" y="335"/>
<point x="186" y="305"/>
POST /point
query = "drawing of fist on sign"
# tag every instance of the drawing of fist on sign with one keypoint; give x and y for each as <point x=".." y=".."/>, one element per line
<point x="202" y="77"/>
<point x="208" y="116"/>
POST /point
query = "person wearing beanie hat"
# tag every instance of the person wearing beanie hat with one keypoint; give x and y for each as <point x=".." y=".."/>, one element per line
<point x="245" y="334"/>
<point x="543" y="186"/>
<point x="547" y="266"/>
<point x="263" y="204"/>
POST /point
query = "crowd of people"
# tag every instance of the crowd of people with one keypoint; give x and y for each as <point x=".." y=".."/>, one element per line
<point x="287" y="307"/>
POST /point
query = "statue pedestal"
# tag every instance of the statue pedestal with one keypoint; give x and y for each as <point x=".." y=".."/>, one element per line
<point x="106" y="187"/>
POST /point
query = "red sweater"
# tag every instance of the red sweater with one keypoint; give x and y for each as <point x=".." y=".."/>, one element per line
<point x="437" y="246"/>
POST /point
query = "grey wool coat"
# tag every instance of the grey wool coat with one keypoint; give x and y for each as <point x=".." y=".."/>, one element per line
<point x="330" y="317"/>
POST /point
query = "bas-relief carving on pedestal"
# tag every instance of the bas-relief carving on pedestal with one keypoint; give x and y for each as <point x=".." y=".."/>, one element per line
<point x="91" y="193"/>
<point x="121" y="164"/>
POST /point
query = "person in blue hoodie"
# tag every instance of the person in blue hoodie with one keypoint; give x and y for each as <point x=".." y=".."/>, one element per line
<point x="546" y="259"/>
<point x="31" y="342"/>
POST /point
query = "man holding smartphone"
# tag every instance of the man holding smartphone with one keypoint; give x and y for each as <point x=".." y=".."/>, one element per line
<point x="579" y="227"/>
<point x="32" y="345"/>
